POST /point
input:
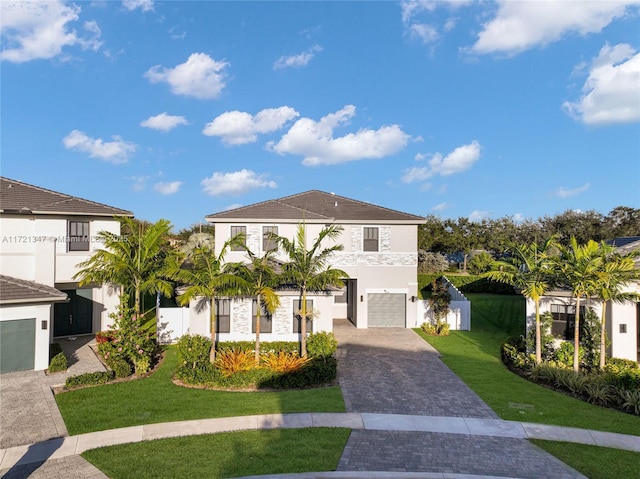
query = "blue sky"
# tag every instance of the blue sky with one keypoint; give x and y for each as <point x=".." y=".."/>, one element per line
<point x="461" y="109"/>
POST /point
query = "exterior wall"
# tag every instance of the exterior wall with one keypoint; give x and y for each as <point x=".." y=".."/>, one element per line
<point x="41" y="312"/>
<point x="193" y="321"/>
<point x="34" y="248"/>
<point x="459" y="317"/>
<point x="393" y="268"/>
<point x="623" y="345"/>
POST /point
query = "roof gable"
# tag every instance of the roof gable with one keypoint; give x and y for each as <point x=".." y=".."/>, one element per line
<point x="316" y="206"/>
<point x="21" y="198"/>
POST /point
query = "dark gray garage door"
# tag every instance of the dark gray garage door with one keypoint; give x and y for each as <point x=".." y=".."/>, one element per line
<point x="17" y="345"/>
<point x="386" y="310"/>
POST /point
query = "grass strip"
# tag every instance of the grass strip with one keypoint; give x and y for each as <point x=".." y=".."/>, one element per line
<point x="225" y="455"/>
<point x="475" y="357"/>
<point x="156" y="399"/>
<point x="593" y="461"/>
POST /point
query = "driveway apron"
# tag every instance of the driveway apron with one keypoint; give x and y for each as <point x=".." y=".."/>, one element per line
<point x="394" y="371"/>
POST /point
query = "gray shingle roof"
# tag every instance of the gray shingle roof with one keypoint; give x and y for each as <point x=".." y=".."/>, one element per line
<point x="16" y="291"/>
<point x="21" y="198"/>
<point x="316" y="206"/>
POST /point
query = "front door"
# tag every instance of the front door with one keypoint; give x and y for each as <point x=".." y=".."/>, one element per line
<point x="75" y="316"/>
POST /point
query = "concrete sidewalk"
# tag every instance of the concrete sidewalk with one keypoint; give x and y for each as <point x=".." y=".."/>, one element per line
<point x="73" y="445"/>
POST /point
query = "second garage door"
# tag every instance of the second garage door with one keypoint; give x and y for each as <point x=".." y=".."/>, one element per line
<point x="386" y="310"/>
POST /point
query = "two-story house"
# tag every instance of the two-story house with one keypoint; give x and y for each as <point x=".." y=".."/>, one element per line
<point x="44" y="235"/>
<point x="379" y="255"/>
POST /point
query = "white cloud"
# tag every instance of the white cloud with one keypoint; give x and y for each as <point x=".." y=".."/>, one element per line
<point x="116" y="151"/>
<point x="40" y="30"/>
<point x="200" y="76"/>
<point x="459" y="160"/>
<point x="563" y="192"/>
<point x="314" y="140"/>
<point x="522" y="25"/>
<point x="611" y="91"/>
<point x="144" y="5"/>
<point x="478" y="215"/>
<point x="238" y="127"/>
<point x="424" y="32"/>
<point x="164" y="122"/>
<point x="168" y="188"/>
<point x="442" y="206"/>
<point x="299" y="60"/>
<point x="139" y="182"/>
<point x="235" y="183"/>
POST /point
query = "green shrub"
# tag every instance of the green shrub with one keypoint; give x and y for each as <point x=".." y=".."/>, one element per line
<point x="265" y="346"/>
<point x="599" y="393"/>
<point x="481" y="263"/>
<point x="466" y="283"/>
<point x="564" y="354"/>
<point x="316" y="372"/>
<point x="120" y="367"/>
<point x="630" y="401"/>
<point x="514" y="353"/>
<point x="193" y="351"/>
<point x="623" y="373"/>
<point x="321" y="344"/>
<point x="142" y="365"/>
<point x="58" y="363"/>
<point x="89" y="379"/>
<point x="438" y="328"/>
<point x="547" y="339"/>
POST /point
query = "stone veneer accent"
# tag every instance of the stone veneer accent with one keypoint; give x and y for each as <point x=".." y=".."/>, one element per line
<point x="376" y="259"/>
<point x="254" y="238"/>
<point x="241" y="316"/>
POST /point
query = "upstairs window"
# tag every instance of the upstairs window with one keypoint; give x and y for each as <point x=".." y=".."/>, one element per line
<point x="265" y="318"/>
<point x="370" y="239"/>
<point x="236" y="231"/>
<point x="268" y="243"/>
<point x="78" y="236"/>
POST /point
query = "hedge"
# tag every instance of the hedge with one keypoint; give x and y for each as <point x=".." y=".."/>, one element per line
<point x="467" y="283"/>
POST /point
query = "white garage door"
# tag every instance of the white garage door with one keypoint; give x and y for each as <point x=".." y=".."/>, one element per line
<point x="386" y="310"/>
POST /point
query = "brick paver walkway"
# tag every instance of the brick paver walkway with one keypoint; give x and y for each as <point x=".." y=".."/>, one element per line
<point x="393" y="370"/>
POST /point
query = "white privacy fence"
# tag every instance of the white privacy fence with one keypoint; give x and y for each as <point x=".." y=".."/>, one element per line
<point x="459" y="317"/>
<point x="172" y="323"/>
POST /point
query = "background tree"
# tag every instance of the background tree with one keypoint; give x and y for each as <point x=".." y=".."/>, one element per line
<point x="310" y="269"/>
<point x="137" y="261"/>
<point x="481" y="263"/>
<point x="531" y="269"/>
<point x="206" y="277"/>
<point x="431" y="263"/>
<point x="184" y="234"/>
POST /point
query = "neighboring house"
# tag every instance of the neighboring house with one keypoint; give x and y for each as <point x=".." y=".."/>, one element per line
<point x="380" y="256"/>
<point x="623" y="319"/>
<point x="45" y="234"/>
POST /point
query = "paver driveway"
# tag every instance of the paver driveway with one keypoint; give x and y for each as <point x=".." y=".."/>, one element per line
<point x="393" y="370"/>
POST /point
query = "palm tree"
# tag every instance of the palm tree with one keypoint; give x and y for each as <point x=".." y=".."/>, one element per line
<point x="530" y="269"/>
<point x="579" y="266"/>
<point x="135" y="261"/>
<point x="616" y="272"/>
<point x="310" y="269"/>
<point x="207" y="277"/>
<point x="262" y="279"/>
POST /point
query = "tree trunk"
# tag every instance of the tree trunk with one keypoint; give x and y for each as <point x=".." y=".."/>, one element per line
<point x="603" y="333"/>
<point x="257" y="355"/>
<point x="576" y="338"/>
<point x="212" y="318"/>
<point x="538" y="334"/>
<point x="303" y="324"/>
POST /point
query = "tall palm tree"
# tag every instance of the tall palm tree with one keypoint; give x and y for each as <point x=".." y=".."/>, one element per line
<point x="207" y="277"/>
<point x="135" y="261"/>
<point x="616" y="272"/>
<point x="310" y="269"/>
<point x="579" y="266"/>
<point x="530" y="269"/>
<point x="261" y="282"/>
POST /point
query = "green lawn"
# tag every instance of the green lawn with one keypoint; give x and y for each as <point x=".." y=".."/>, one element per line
<point x="156" y="399"/>
<point x="225" y="455"/>
<point x="594" y="462"/>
